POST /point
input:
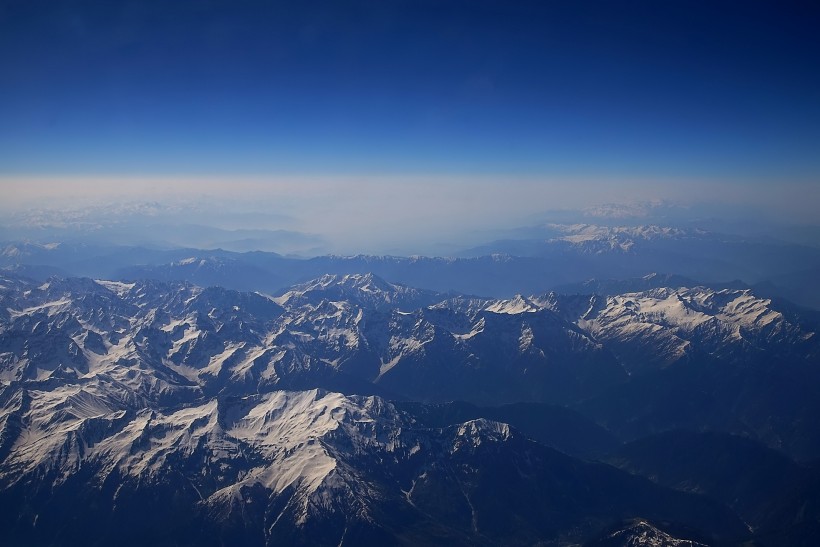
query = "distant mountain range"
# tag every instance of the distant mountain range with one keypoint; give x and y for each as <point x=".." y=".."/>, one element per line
<point x="561" y="256"/>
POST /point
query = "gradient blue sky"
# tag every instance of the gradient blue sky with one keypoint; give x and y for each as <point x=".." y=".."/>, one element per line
<point x="711" y="94"/>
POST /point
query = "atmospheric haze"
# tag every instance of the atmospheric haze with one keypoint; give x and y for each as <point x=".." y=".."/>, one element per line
<point x="411" y="214"/>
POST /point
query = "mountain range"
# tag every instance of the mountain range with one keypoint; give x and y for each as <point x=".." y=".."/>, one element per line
<point x="324" y="415"/>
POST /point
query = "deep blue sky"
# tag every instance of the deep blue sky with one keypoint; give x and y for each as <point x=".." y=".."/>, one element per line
<point x="667" y="88"/>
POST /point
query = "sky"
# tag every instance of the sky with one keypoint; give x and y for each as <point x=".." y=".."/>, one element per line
<point x="353" y="115"/>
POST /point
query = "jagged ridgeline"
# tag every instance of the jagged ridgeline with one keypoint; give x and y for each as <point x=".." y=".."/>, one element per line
<point x="322" y="415"/>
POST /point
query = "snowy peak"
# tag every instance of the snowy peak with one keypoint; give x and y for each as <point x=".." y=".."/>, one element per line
<point x="640" y="533"/>
<point x="18" y="251"/>
<point x="677" y="323"/>
<point x="598" y="239"/>
<point x="366" y="290"/>
<point x="688" y="308"/>
<point x="516" y="305"/>
<point x="366" y="282"/>
<point x="352" y="283"/>
<point x="473" y="433"/>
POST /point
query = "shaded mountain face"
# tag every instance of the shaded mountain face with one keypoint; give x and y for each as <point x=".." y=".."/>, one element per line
<point x="742" y="473"/>
<point x="208" y="416"/>
<point x="776" y="497"/>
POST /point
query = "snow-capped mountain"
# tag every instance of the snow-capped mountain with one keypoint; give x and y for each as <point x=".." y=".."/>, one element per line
<point x="592" y="238"/>
<point x="580" y="239"/>
<point x="662" y="326"/>
<point x="306" y="467"/>
<point x="364" y="290"/>
<point x="640" y="533"/>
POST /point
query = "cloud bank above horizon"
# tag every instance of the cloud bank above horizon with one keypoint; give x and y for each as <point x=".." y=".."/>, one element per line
<point x="389" y="212"/>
